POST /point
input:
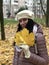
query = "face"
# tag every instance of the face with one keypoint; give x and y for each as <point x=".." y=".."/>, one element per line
<point x="23" y="22"/>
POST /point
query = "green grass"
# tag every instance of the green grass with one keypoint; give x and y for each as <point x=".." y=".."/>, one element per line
<point x="10" y="21"/>
<point x="40" y="21"/>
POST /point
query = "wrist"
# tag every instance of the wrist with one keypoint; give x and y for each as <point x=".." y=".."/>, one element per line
<point x="27" y="54"/>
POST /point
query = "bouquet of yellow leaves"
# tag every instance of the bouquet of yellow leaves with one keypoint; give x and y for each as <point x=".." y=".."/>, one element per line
<point x="24" y="39"/>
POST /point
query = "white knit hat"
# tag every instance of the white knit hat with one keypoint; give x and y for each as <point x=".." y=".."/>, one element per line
<point x="25" y="14"/>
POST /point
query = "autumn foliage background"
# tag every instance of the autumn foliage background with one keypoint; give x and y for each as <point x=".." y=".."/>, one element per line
<point x="7" y="48"/>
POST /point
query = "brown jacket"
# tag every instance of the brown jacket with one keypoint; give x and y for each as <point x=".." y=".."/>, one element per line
<point x="39" y="54"/>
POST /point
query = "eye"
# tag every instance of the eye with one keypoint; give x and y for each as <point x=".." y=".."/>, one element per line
<point x="24" y="19"/>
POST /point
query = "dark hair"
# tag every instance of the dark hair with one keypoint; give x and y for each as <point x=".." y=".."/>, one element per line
<point x="29" y="25"/>
<point x="22" y="8"/>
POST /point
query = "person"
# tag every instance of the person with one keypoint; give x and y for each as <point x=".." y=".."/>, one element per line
<point x="38" y="52"/>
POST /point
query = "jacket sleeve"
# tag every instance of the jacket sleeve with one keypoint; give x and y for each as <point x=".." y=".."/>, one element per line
<point x="42" y="57"/>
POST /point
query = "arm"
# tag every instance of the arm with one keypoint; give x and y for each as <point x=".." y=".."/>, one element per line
<point x="15" y="56"/>
<point x="17" y="53"/>
<point x="42" y="57"/>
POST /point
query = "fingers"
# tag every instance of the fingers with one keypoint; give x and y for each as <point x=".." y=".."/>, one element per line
<point x="24" y="47"/>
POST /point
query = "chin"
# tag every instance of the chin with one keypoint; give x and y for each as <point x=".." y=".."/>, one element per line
<point x="23" y="26"/>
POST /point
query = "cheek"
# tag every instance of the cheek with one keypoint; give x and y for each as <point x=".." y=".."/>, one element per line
<point x="21" y="23"/>
<point x="26" y="22"/>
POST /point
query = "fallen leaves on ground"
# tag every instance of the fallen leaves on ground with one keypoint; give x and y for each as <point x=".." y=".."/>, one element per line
<point x="6" y="52"/>
<point x="46" y="34"/>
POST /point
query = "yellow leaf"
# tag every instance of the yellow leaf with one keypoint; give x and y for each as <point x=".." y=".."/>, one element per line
<point x="24" y="37"/>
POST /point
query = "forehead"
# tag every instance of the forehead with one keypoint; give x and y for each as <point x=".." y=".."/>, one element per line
<point x="23" y="19"/>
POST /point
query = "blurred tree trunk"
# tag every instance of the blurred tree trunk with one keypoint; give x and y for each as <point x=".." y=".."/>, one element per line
<point x="42" y="7"/>
<point x="2" y="21"/>
<point x="9" y="9"/>
<point x="47" y="16"/>
<point x="46" y="13"/>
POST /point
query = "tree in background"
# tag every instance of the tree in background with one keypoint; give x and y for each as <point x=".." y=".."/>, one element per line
<point x="2" y="21"/>
<point x="41" y="2"/>
<point x="22" y="8"/>
<point x="47" y="16"/>
<point x="46" y="13"/>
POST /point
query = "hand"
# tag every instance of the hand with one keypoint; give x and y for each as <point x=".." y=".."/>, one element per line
<point x="18" y="49"/>
<point x="26" y="50"/>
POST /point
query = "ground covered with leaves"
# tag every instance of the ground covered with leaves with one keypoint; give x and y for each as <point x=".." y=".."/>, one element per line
<point x="7" y="48"/>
